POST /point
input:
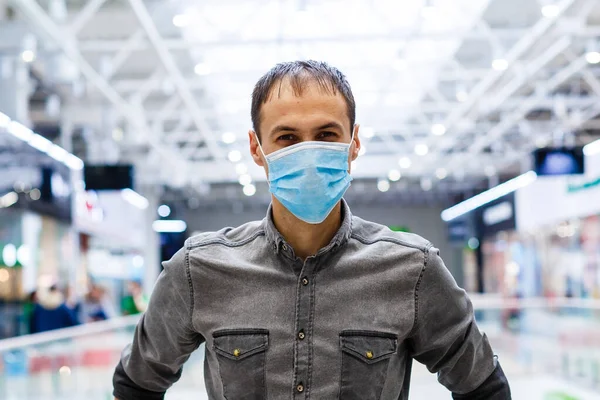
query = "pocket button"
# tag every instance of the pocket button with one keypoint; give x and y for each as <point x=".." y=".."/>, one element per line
<point x="300" y="388"/>
<point x="369" y="355"/>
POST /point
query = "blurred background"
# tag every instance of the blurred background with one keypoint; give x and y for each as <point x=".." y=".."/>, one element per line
<point x="123" y="131"/>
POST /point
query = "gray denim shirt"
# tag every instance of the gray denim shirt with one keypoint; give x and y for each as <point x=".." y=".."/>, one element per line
<point x="344" y="324"/>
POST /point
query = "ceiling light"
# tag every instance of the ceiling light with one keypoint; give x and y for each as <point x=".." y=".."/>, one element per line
<point x="20" y="131"/>
<point x="245" y="179"/>
<point x="241" y="168"/>
<point x="135" y="199"/>
<point x="169" y="226"/>
<point x="426" y="184"/>
<point x="394" y="175"/>
<point x="164" y="210"/>
<point x="35" y="194"/>
<point x="421" y="149"/>
<point x="39" y="142"/>
<point x="441" y="173"/>
<point x="202" y="69"/>
<point x="235" y="156"/>
<point x="367" y="132"/>
<point x="490" y="171"/>
<point x="438" y="129"/>
<point x="58" y="153"/>
<point x="181" y="20"/>
<point x="488" y="196"/>
<point x="249" y="190"/>
<point x="383" y="185"/>
<point x="462" y="96"/>
<point x="74" y="162"/>
<point x="550" y="10"/>
<point x="362" y="151"/>
<point x="117" y="134"/>
<point x="228" y="137"/>
<point x="4" y="120"/>
<point x="28" y="56"/>
<point x="23" y="255"/>
<point x="9" y="199"/>
<point x="593" y="57"/>
<point x="500" y="64"/>
<point x="405" y="162"/>
<point x="9" y="255"/>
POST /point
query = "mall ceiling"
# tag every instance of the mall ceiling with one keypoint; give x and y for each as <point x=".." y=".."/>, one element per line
<point x="451" y="95"/>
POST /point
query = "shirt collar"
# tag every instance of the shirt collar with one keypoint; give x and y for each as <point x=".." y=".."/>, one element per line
<point x="278" y="242"/>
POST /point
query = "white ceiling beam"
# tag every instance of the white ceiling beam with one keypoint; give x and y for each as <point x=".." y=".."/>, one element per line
<point x="112" y="45"/>
<point x="483" y="87"/>
<point x="409" y="34"/>
<point x="85" y="15"/>
<point x="515" y="53"/>
<point x="179" y="81"/>
<point x="509" y="121"/>
<point x="195" y="83"/>
<point x="123" y="54"/>
<point x="67" y="42"/>
<point x="527" y="72"/>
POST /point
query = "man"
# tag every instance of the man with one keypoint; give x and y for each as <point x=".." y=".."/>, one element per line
<point x="311" y="302"/>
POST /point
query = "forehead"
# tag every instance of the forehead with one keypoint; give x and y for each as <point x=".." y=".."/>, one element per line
<point x="304" y="102"/>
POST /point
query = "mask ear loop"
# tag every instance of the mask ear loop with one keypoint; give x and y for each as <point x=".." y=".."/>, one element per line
<point x="263" y="154"/>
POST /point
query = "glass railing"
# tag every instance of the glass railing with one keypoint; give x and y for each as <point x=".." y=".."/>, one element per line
<point x="550" y="350"/>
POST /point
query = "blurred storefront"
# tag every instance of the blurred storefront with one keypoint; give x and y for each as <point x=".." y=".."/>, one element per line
<point x="553" y="249"/>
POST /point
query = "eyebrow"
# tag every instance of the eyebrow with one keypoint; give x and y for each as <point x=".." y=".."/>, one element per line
<point x="286" y="128"/>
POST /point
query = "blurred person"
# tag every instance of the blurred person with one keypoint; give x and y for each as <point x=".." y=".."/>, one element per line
<point x="311" y="302"/>
<point x="97" y="305"/>
<point x="136" y="302"/>
<point x="72" y="301"/>
<point x="51" y="312"/>
<point x="28" y="307"/>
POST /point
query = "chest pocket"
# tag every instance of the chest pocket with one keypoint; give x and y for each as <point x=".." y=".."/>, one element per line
<point x="365" y="360"/>
<point x="242" y="355"/>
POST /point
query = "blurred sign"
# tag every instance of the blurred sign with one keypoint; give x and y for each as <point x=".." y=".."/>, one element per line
<point x="496" y="216"/>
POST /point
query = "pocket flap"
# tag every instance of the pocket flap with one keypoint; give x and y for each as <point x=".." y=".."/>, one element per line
<point x="238" y="344"/>
<point x="370" y="347"/>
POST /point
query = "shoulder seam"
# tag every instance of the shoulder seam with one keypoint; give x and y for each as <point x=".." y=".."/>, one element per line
<point x="389" y="239"/>
<point x="220" y="240"/>
<point x="188" y="273"/>
<point x="418" y="285"/>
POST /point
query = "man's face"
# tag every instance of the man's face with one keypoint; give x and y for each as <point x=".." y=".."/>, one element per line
<point x="287" y="119"/>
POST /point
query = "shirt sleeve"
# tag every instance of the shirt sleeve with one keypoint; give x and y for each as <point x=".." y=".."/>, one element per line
<point x="164" y="338"/>
<point x="447" y="340"/>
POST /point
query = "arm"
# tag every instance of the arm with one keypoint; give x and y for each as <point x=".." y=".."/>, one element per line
<point x="163" y="339"/>
<point x="446" y="339"/>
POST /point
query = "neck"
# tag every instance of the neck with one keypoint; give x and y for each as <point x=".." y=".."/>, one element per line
<point x="306" y="239"/>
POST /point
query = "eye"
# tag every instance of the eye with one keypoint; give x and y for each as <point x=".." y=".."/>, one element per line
<point x="286" y="138"/>
<point x="326" y="135"/>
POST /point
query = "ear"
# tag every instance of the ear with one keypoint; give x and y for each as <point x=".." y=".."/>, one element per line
<point x="255" y="149"/>
<point x="355" y="145"/>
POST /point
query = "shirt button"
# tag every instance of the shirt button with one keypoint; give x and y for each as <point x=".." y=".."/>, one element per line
<point x="300" y="388"/>
<point x="285" y="247"/>
<point x="301" y="335"/>
<point x="305" y="281"/>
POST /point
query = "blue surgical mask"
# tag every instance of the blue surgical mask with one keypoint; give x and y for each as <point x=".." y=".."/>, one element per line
<point x="309" y="178"/>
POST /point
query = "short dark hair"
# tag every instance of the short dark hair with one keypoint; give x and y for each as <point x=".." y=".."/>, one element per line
<point x="300" y="74"/>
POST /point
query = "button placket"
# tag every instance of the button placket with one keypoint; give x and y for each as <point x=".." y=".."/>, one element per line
<point x="303" y="345"/>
